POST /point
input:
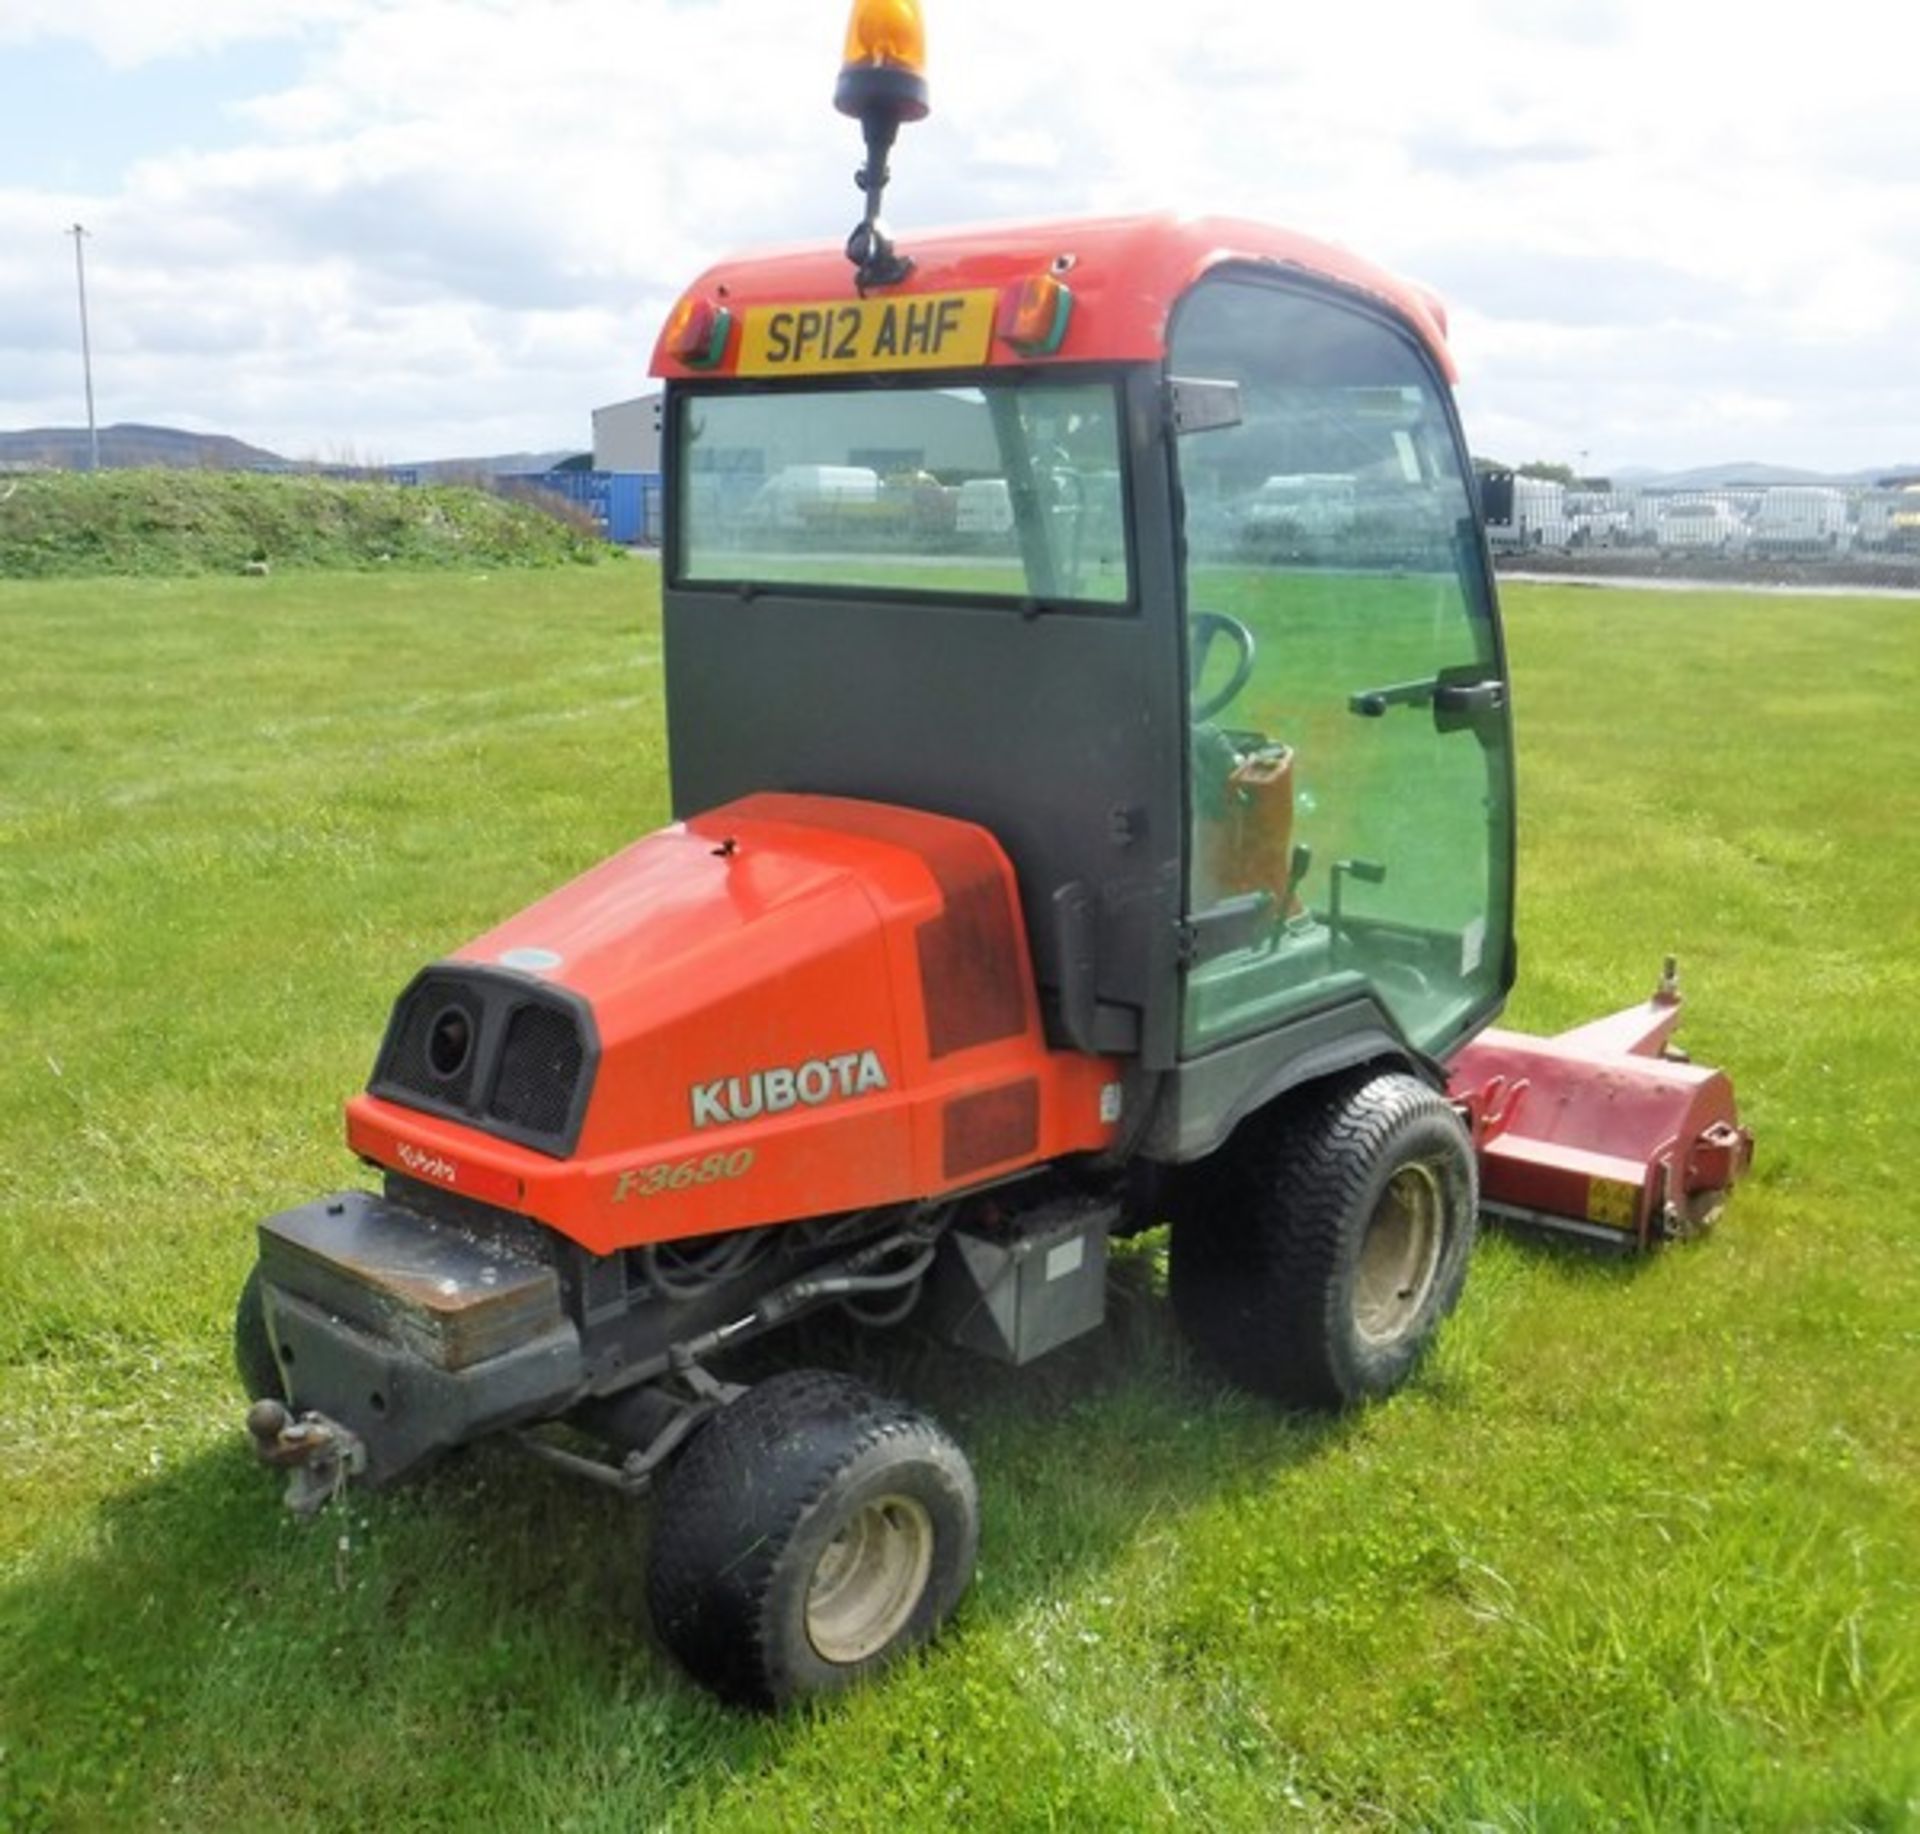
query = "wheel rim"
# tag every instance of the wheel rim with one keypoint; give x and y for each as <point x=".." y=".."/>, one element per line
<point x="1400" y="1256"/>
<point x="869" y="1578"/>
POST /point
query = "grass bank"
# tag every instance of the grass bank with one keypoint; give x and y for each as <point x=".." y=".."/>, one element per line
<point x="161" y="524"/>
<point x="1638" y="1548"/>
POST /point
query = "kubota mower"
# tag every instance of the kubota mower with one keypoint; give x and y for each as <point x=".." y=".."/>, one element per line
<point x="1091" y="757"/>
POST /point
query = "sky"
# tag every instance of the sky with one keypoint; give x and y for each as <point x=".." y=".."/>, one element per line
<point x="1669" y="232"/>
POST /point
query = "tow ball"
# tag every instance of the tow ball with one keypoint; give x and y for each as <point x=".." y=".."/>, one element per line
<point x="318" y="1455"/>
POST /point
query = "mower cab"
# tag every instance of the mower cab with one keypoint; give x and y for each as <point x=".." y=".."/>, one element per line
<point x="1092" y="772"/>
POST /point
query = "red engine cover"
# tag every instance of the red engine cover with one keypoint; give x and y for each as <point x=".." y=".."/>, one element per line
<point x="804" y="1004"/>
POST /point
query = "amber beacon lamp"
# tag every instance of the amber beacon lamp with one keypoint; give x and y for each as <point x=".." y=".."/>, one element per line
<point x="883" y="83"/>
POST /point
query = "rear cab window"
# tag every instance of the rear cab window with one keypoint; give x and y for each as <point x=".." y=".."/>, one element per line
<point x="1007" y="490"/>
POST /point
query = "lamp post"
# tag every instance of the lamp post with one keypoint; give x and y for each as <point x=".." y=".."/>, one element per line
<point x="86" y="343"/>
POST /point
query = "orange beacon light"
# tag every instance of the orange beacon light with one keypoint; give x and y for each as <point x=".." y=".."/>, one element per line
<point x="884" y="70"/>
<point x="883" y="82"/>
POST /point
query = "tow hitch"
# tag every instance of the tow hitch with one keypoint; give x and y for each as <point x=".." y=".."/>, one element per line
<point x="317" y="1454"/>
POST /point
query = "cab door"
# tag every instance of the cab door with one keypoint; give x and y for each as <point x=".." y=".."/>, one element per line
<point x="1349" y="759"/>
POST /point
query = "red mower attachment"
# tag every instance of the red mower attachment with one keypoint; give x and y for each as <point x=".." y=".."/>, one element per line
<point x="1606" y="1132"/>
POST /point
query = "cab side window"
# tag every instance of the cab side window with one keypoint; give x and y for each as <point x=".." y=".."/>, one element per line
<point x="1348" y="757"/>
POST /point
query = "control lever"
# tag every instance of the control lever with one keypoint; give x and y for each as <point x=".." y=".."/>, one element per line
<point x="1368" y="872"/>
<point x="1297" y="869"/>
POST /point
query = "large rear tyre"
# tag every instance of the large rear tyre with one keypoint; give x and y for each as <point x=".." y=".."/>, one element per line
<point x="1315" y="1254"/>
<point x="810" y="1533"/>
<point x="252" y="1348"/>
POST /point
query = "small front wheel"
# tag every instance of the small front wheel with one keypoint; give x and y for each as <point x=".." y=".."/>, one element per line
<point x="811" y="1532"/>
<point x="252" y="1348"/>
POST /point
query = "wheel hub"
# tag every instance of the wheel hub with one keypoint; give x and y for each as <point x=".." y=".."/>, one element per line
<point x="1400" y="1255"/>
<point x="869" y="1578"/>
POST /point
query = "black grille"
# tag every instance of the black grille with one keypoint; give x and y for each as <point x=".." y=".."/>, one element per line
<point x="485" y="1047"/>
<point x="539" y="1068"/>
<point x="408" y="1062"/>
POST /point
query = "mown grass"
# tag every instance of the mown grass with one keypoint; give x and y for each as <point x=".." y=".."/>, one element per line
<point x="1639" y="1548"/>
<point x="164" y="524"/>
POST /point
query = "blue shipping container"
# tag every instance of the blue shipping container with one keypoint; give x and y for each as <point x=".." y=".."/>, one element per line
<point x="618" y="500"/>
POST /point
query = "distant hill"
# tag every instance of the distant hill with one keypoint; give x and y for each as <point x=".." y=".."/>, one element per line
<point x="1748" y="471"/>
<point x="1752" y="472"/>
<point x="128" y="447"/>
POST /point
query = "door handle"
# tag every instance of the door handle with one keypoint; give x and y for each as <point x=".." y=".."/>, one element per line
<point x="1444" y="695"/>
<point x="1470" y="697"/>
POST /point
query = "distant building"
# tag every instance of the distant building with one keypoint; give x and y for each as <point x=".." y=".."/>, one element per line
<point x="626" y="435"/>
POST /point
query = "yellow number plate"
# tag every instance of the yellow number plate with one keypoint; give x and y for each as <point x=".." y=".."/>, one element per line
<point x="930" y="331"/>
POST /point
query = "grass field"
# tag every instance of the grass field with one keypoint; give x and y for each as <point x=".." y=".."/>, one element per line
<point x="1639" y="1548"/>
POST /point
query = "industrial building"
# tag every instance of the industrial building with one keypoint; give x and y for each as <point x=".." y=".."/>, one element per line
<point x="626" y="435"/>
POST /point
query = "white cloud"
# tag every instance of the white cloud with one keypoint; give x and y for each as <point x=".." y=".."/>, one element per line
<point x="127" y="32"/>
<point x="1661" y="229"/>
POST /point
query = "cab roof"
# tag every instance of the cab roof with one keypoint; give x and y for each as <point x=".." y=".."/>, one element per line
<point x="1126" y="275"/>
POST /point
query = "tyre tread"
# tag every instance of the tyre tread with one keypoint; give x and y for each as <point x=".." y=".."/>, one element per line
<point x="712" y="1571"/>
<point x="1259" y="1239"/>
<point x="252" y="1348"/>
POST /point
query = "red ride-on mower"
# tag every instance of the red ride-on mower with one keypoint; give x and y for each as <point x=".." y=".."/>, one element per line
<point x="1089" y="735"/>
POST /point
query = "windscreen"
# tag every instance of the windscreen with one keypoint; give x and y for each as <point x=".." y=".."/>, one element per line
<point x="1007" y="490"/>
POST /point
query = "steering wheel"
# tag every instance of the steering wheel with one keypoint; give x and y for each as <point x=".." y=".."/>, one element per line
<point x="1202" y="628"/>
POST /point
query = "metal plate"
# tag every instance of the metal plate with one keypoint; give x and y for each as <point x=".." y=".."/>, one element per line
<point x="451" y="1296"/>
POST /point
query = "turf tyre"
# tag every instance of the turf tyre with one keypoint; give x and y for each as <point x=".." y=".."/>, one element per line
<point x="754" y="1577"/>
<point x="252" y="1348"/>
<point x="1315" y="1254"/>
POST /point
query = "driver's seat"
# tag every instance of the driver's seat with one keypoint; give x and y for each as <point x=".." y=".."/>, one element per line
<point x="1243" y="839"/>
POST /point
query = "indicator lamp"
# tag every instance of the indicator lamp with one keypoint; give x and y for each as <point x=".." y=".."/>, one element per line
<point x="883" y="83"/>
<point x="1033" y="315"/>
<point x="697" y="332"/>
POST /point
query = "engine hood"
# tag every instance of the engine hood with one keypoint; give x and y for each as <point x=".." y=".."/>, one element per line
<point x="682" y="918"/>
<point x="774" y="1003"/>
